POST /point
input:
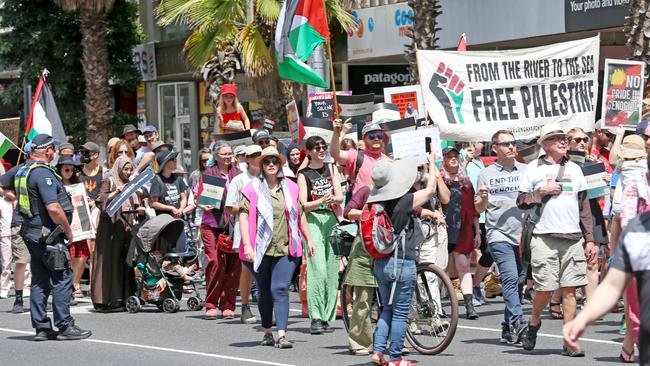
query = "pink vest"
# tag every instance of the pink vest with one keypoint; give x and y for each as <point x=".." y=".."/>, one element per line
<point x="295" y="249"/>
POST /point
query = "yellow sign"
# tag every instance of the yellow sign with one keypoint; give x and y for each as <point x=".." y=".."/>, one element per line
<point x="205" y="105"/>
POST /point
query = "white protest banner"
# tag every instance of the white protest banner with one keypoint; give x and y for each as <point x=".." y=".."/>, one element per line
<point x="622" y="93"/>
<point x="408" y="100"/>
<point x="318" y="127"/>
<point x="472" y="94"/>
<point x="81" y="225"/>
<point x="385" y="111"/>
<point x="412" y="144"/>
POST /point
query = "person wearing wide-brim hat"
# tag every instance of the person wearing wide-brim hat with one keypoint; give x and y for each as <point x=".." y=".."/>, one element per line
<point x="392" y="181"/>
<point x="168" y="190"/>
<point x="272" y="253"/>
<point x="68" y="160"/>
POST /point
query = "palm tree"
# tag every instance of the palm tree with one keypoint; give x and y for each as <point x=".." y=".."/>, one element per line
<point x="637" y="30"/>
<point x="238" y="30"/>
<point x="99" y="106"/>
<point x="423" y="31"/>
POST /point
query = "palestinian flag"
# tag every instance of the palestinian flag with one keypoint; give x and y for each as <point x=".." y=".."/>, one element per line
<point x="462" y="44"/>
<point x="5" y="144"/>
<point x="302" y="26"/>
<point x="44" y="116"/>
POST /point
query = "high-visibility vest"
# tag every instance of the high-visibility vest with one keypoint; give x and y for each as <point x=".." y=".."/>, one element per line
<point x="20" y="183"/>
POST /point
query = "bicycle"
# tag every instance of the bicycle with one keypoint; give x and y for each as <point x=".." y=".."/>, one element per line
<point x="433" y="317"/>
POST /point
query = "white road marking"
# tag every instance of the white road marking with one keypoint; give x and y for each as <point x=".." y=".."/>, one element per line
<point x="164" y="349"/>
<point x="544" y="335"/>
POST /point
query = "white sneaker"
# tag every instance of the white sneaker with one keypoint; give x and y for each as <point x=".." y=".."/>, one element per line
<point x="4" y="294"/>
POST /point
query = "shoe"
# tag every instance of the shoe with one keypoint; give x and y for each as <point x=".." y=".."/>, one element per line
<point x="360" y="352"/>
<point x="73" y="333"/>
<point x="45" y="334"/>
<point x="623" y="329"/>
<point x="228" y="314"/>
<point x="316" y="327"/>
<point x="516" y="331"/>
<point x="527" y="297"/>
<point x="625" y="356"/>
<point x="459" y="294"/>
<point x="247" y="316"/>
<point x="530" y="337"/>
<point x="492" y="286"/>
<point x="401" y="362"/>
<point x="254" y="299"/>
<point x="378" y="359"/>
<point x="438" y="326"/>
<point x="405" y="351"/>
<point x="326" y="327"/>
<point x="73" y="301"/>
<point x="18" y="308"/>
<point x="211" y="314"/>
<point x="571" y="353"/>
<point x="469" y="307"/>
<point x="283" y="343"/>
<point x="4" y="294"/>
<point x="554" y="312"/>
<point x="475" y="302"/>
<point x="505" y="334"/>
<point x="414" y="327"/>
<point x="268" y="340"/>
<point x="478" y="296"/>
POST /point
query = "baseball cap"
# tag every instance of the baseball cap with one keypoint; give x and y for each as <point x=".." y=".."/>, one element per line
<point x="41" y="141"/>
<point x="240" y="150"/>
<point x="149" y="128"/>
<point x="261" y="134"/>
<point x="449" y="149"/>
<point x="65" y="145"/>
<point x="90" y="146"/>
<point x="370" y="127"/>
<point x="229" y="89"/>
<point x="253" y="149"/>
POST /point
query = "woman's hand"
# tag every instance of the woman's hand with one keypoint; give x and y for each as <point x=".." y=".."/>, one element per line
<point x="311" y="248"/>
<point x="477" y="240"/>
<point x="248" y="253"/>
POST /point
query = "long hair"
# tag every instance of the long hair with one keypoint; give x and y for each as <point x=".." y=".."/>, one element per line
<point x="222" y="104"/>
<point x="113" y="156"/>
<point x="463" y="179"/>
<point x="74" y="179"/>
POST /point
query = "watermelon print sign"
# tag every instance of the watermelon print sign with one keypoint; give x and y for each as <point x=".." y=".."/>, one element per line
<point x="622" y="93"/>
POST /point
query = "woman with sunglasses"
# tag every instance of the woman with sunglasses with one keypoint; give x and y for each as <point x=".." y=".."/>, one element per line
<point x="223" y="268"/>
<point x="270" y="221"/>
<point x="68" y="169"/>
<point x="320" y="196"/>
<point x="463" y="231"/>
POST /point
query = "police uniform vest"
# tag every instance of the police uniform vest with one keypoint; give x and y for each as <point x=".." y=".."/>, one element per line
<point x="27" y="203"/>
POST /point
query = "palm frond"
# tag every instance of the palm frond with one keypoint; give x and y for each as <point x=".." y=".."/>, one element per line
<point x="256" y="57"/>
<point x="174" y="11"/>
<point x="210" y="11"/>
<point x="202" y="44"/>
<point x="336" y="11"/>
<point x="268" y="10"/>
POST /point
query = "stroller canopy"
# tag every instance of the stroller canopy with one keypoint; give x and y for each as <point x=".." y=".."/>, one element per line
<point x="161" y="233"/>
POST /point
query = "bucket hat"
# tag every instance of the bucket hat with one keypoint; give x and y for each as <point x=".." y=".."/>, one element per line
<point x="392" y="179"/>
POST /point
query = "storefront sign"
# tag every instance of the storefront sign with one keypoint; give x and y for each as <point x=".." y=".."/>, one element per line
<point x="144" y="58"/>
<point x="470" y="95"/>
<point x="581" y="15"/>
<point x="622" y="93"/>
<point x="374" y="78"/>
<point x="381" y="31"/>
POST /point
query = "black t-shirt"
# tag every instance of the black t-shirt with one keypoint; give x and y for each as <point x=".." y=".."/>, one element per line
<point x="402" y="216"/>
<point x="452" y="212"/>
<point x="93" y="183"/>
<point x="168" y="190"/>
<point x="7" y="182"/>
<point x="319" y="183"/>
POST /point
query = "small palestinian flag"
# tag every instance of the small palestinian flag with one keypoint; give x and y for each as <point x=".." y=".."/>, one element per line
<point x="5" y="144"/>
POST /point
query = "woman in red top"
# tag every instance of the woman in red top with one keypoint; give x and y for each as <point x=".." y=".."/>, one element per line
<point x="232" y="116"/>
<point x="463" y="230"/>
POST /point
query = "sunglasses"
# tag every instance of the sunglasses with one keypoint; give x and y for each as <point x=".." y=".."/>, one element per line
<point x="320" y="148"/>
<point x="581" y="139"/>
<point x="264" y="142"/>
<point x="68" y="170"/>
<point x="506" y="143"/>
<point x="269" y="161"/>
<point x="376" y="136"/>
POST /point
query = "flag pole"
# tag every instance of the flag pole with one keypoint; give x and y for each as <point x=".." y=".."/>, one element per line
<point x="333" y="79"/>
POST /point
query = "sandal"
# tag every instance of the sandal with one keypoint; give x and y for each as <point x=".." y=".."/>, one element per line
<point x="401" y="362"/>
<point x="78" y="294"/>
<point x="625" y="356"/>
<point x="555" y="314"/>
<point x="378" y="359"/>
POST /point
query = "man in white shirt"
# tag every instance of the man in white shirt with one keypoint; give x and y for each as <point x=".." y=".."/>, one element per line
<point x="558" y="259"/>
<point x="233" y="198"/>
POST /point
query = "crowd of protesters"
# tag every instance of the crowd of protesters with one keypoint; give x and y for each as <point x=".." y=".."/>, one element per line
<point x="281" y="203"/>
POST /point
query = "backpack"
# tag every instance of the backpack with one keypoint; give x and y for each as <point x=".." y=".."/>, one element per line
<point x="377" y="232"/>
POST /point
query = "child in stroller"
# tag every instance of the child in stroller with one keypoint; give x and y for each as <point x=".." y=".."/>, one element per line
<point x="158" y="266"/>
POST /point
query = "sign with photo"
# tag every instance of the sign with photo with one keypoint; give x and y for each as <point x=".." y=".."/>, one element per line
<point x="622" y="99"/>
<point x="408" y="100"/>
<point x="81" y="225"/>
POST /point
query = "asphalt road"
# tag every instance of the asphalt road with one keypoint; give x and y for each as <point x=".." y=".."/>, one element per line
<point x="185" y="338"/>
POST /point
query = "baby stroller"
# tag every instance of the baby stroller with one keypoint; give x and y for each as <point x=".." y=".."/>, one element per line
<point x="161" y="235"/>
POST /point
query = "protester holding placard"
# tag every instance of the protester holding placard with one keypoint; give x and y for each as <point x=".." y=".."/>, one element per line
<point x="230" y="113"/>
<point x="68" y="169"/>
<point x="223" y="268"/>
<point x="464" y="233"/>
<point x="321" y="197"/>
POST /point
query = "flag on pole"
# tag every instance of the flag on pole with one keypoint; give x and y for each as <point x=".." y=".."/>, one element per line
<point x="462" y="44"/>
<point x="302" y="26"/>
<point x="44" y="116"/>
<point x="5" y="144"/>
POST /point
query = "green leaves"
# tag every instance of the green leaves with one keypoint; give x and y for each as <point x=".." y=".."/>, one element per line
<point x="256" y="57"/>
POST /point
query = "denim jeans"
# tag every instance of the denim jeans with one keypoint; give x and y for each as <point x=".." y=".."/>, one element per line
<point x="393" y="321"/>
<point x="513" y="275"/>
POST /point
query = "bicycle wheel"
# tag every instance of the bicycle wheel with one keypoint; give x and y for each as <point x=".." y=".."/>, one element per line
<point x="433" y="316"/>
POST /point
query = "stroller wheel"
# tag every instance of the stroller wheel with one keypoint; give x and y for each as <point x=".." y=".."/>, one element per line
<point x="194" y="303"/>
<point x="170" y="305"/>
<point x="133" y="304"/>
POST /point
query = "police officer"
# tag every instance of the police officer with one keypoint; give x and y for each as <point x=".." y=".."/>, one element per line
<point x="44" y="204"/>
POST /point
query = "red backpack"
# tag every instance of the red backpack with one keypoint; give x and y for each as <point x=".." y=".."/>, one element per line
<point x="377" y="232"/>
